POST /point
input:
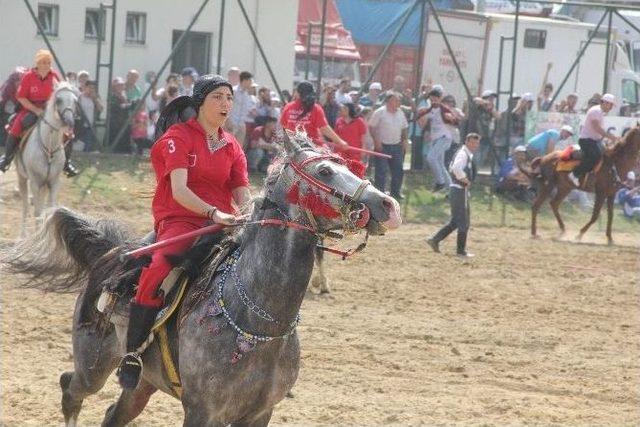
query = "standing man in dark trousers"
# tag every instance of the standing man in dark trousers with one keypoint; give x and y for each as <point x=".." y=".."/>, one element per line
<point x="389" y="129"/>
<point x="462" y="174"/>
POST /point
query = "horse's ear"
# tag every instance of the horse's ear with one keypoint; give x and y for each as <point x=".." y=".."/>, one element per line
<point x="289" y="142"/>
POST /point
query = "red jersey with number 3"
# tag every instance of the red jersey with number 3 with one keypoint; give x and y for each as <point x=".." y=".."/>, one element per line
<point x="312" y="122"/>
<point x="211" y="174"/>
<point x="35" y="88"/>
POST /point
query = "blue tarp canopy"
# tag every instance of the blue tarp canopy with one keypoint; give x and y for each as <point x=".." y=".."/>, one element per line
<point x="375" y="21"/>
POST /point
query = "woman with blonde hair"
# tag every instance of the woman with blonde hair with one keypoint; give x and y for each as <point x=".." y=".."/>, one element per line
<point x="35" y="89"/>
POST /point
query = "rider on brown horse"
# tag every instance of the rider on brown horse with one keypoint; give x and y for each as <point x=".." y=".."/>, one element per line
<point x="591" y="134"/>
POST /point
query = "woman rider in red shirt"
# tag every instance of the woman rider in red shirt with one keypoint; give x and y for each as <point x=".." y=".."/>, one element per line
<point x="35" y="89"/>
<point x="351" y="128"/>
<point x="304" y="111"/>
<point x="201" y="172"/>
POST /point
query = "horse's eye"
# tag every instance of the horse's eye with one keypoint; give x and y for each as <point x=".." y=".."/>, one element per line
<point x="325" y="171"/>
<point x="58" y="101"/>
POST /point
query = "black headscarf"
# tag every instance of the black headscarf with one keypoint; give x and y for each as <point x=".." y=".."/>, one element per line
<point x="307" y="97"/>
<point x="186" y="107"/>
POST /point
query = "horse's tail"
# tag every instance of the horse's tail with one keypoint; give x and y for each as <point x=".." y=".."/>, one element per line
<point x="60" y="256"/>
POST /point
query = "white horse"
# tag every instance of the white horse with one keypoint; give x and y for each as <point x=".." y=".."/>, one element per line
<point x="40" y="161"/>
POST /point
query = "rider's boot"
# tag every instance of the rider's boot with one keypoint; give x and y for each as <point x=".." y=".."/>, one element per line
<point x="462" y="246"/>
<point x="11" y="147"/>
<point x="141" y="319"/>
<point x="69" y="169"/>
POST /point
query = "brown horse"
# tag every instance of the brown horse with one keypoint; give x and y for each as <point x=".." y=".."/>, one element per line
<point x="619" y="158"/>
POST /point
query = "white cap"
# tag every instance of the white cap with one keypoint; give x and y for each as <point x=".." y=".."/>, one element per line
<point x="567" y="128"/>
<point x="487" y="93"/>
<point x="607" y="97"/>
<point x="519" y="148"/>
<point x="375" y="85"/>
<point x="527" y="96"/>
<point x="83" y="73"/>
<point x="631" y="175"/>
<point x="438" y="88"/>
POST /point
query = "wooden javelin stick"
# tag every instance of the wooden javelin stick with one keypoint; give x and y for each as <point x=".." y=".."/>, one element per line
<point x="350" y="148"/>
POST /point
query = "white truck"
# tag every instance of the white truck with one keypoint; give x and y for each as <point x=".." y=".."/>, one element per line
<point x="483" y="43"/>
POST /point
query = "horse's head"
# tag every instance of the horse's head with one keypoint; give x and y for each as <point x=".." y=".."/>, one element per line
<point x="64" y="101"/>
<point x="319" y="188"/>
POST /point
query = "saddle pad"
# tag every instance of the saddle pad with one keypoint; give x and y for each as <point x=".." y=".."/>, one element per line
<point x="567" y="165"/>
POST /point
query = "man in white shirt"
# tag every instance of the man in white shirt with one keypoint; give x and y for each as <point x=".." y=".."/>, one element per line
<point x="440" y="138"/>
<point x="463" y="174"/>
<point x="590" y="135"/>
<point x="243" y="103"/>
<point x="388" y="126"/>
<point x="342" y="94"/>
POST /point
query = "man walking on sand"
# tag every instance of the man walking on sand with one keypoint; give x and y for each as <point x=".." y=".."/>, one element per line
<point x="461" y="177"/>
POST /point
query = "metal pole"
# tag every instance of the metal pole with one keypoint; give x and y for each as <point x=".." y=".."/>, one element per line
<point x="46" y="39"/>
<point x="221" y="31"/>
<point x="499" y="83"/>
<point x="112" y="45"/>
<point x="160" y="71"/>
<point x="321" y="53"/>
<point x="99" y="47"/>
<point x="513" y="74"/>
<point x="262" y="54"/>
<point x="308" y="57"/>
<point x="577" y="60"/>
<point x="605" y="83"/>
<point x="629" y="23"/>
<point x="446" y="42"/>
<point x="389" y="44"/>
<point x="416" y="146"/>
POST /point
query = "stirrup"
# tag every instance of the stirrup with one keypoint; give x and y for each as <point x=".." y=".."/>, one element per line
<point x="130" y="371"/>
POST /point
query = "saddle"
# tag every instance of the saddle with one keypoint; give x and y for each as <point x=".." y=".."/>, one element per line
<point x="569" y="158"/>
<point x="119" y="289"/>
<point x="211" y="251"/>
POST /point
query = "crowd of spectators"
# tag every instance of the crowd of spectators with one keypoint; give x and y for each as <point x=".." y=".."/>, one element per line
<point x="383" y="119"/>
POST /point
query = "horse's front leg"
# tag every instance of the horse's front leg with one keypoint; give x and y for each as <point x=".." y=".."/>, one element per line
<point x="24" y="195"/>
<point x="37" y="191"/>
<point x="261" y="421"/>
<point x="610" y="201"/>
<point x="319" y="280"/>
<point x="54" y="189"/>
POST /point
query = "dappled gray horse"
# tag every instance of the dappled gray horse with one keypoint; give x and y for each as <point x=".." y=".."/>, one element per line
<point x="237" y="348"/>
<point x="40" y="162"/>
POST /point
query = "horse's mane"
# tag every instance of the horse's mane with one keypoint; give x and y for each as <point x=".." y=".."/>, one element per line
<point x="625" y="141"/>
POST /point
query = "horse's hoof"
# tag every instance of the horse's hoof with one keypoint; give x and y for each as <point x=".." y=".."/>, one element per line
<point x="535" y="236"/>
<point x="610" y="242"/>
<point x="579" y="237"/>
<point x="325" y="290"/>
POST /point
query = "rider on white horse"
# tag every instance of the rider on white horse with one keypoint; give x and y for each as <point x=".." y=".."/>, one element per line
<point x="34" y="91"/>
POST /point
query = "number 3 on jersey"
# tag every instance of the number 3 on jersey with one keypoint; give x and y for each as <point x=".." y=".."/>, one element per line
<point x="172" y="146"/>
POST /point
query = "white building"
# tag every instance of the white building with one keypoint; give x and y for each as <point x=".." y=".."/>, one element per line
<point x="145" y="32"/>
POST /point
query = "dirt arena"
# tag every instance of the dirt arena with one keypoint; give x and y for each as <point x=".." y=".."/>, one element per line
<point x="529" y="332"/>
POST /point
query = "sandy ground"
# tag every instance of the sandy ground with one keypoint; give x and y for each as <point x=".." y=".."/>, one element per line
<point x="529" y="332"/>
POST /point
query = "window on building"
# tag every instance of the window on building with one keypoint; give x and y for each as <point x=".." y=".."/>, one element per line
<point x="93" y="25"/>
<point x="48" y="15"/>
<point x="136" y="28"/>
<point x="535" y="39"/>
<point x="630" y="91"/>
